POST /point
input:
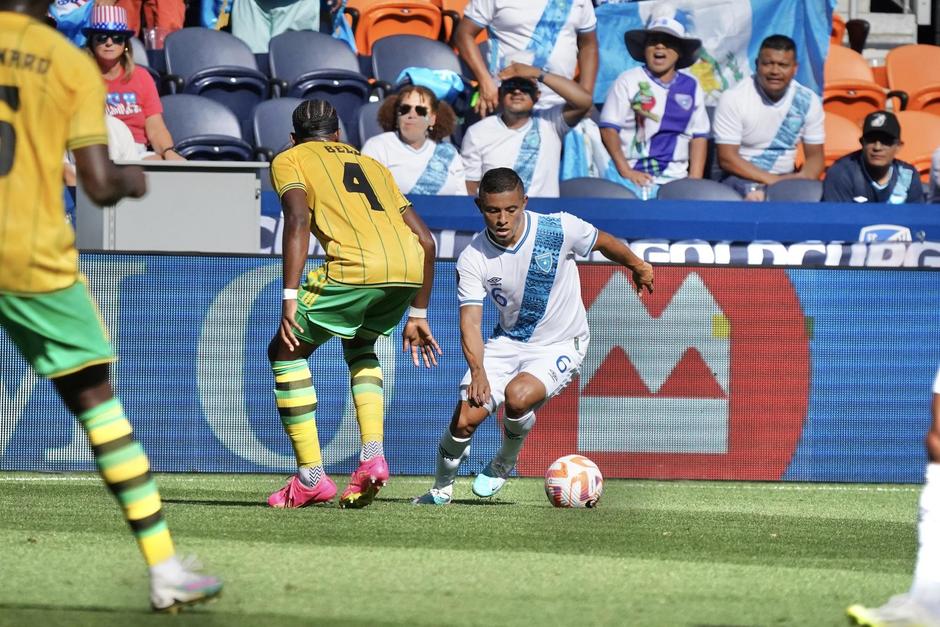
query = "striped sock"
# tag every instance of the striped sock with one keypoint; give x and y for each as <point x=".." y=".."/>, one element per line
<point x="365" y="381"/>
<point x="125" y="469"/>
<point x="297" y="405"/>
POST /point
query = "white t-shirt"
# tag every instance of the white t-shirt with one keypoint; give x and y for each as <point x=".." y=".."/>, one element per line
<point x="444" y="177"/>
<point x="767" y="131"/>
<point x="535" y="284"/>
<point x="656" y="121"/>
<point x="512" y="27"/>
<point x="491" y="144"/>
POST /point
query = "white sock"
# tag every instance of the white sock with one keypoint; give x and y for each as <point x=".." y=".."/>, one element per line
<point x="310" y="475"/>
<point x="514" y="432"/>
<point x="926" y="587"/>
<point x="450" y="453"/>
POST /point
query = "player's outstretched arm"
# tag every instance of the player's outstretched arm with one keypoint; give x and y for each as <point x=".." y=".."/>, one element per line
<point x="471" y="340"/>
<point x="104" y="182"/>
<point x="295" y="243"/>
<point x="617" y="251"/>
<point x="416" y="335"/>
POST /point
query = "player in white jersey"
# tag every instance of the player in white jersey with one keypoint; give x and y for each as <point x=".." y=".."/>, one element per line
<point x="921" y="604"/>
<point x="525" y="263"/>
<point x="558" y="36"/>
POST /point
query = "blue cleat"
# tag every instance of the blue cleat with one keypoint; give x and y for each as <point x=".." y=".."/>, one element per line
<point x="491" y="479"/>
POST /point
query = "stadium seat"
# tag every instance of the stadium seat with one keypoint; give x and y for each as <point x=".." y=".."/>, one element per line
<point x="795" y="190"/>
<point x="305" y="64"/>
<point x="589" y="187"/>
<point x="842" y="138"/>
<point x="373" y="20"/>
<point x="849" y="87"/>
<point x="203" y="129"/>
<point x="697" y="189"/>
<point x="837" y="34"/>
<point x="913" y="69"/>
<point x="920" y="132"/>
<point x="272" y="124"/>
<point x="368" y="124"/>
<point x="216" y="65"/>
<point x="139" y="53"/>
<point x="394" y="54"/>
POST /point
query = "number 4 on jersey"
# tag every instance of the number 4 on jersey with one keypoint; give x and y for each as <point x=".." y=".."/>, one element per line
<point x="355" y="182"/>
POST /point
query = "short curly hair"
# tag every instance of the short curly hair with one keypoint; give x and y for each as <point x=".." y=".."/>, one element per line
<point x="444" y="125"/>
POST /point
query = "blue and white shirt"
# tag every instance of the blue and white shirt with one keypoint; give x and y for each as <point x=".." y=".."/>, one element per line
<point x="433" y="170"/>
<point x="656" y="121"/>
<point x="543" y="33"/>
<point x="847" y="180"/>
<point x="535" y="285"/>
<point x="766" y="131"/>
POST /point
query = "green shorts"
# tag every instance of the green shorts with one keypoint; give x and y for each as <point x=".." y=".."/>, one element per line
<point x="57" y="332"/>
<point x="325" y="309"/>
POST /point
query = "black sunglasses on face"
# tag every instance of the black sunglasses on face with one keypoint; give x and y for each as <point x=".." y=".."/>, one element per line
<point x="883" y="139"/>
<point x="420" y="110"/>
<point x="101" y="38"/>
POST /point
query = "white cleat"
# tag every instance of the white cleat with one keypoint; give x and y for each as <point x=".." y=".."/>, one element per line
<point x="186" y="586"/>
<point x="434" y="497"/>
<point x="901" y="610"/>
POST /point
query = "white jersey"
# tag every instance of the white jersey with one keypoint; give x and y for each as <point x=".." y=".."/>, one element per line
<point x="543" y="33"/>
<point x="533" y="150"/>
<point x="768" y="132"/>
<point x="656" y="121"/>
<point x="433" y="169"/>
<point x="535" y="284"/>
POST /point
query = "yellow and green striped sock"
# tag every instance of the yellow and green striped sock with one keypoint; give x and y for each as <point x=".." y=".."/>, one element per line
<point x="297" y="406"/>
<point x="126" y="470"/>
<point x="365" y="382"/>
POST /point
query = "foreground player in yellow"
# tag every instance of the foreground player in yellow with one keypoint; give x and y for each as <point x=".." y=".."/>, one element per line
<point x="52" y="99"/>
<point x="380" y="259"/>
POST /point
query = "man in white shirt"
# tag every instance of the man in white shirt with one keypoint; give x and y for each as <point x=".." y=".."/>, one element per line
<point x="525" y="263"/>
<point x="556" y="36"/>
<point x="520" y="138"/>
<point x="759" y="123"/>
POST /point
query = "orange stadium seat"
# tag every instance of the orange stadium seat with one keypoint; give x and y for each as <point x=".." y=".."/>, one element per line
<point x="838" y="30"/>
<point x="842" y="138"/>
<point x="915" y="69"/>
<point x="920" y="132"/>
<point x="374" y="19"/>
<point x="849" y="87"/>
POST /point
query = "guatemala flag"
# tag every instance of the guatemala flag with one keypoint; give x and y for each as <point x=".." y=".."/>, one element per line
<point x="731" y="32"/>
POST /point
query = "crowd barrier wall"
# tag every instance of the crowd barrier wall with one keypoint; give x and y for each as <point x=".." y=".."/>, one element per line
<point x="723" y="373"/>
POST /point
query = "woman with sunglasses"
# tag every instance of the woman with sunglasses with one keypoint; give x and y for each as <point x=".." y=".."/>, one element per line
<point x="413" y="146"/>
<point x="132" y="94"/>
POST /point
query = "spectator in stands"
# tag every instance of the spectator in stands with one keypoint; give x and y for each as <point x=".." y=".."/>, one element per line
<point x="873" y="174"/>
<point x="935" y="177"/>
<point x="161" y="17"/>
<point x="256" y="21"/>
<point x="121" y="147"/>
<point x="654" y="124"/>
<point x="556" y="36"/>
<point x="413" y="146"/>
<point x="759" y="122"/>
<point x="519" y="138"/>
<point x="132" y="94"/>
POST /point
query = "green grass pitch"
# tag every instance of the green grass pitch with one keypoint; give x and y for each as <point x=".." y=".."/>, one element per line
<point x="653" y="553"/>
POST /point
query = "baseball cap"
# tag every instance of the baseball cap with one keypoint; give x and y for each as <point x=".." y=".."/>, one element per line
<point x="882" y="122"/>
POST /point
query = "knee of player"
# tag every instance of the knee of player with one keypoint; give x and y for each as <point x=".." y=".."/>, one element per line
<point x="521" y="397"/>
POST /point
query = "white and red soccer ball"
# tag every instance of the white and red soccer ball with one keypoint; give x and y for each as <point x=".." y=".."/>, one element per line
<point x="573" y="481"/>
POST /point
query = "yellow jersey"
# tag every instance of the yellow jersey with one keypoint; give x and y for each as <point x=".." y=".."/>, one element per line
<point x="52" y="98"/>
<point x="356" y="212"/>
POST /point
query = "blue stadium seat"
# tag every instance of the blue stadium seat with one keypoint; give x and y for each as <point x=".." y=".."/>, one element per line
<point x="272" y="125"/>
<point x="216" y="65"/>
<point x="203" y="129"/>
<point x="369" y="122"/>
<point x="795" y="190"/>
<point x="305" y="64"/>
<point x="590" y="187"/>
<point x="139" y="53"/>
<point x="697" y="189"/>
<point x="391" y="55"/>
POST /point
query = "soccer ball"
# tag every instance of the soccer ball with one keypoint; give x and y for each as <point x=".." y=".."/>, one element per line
<point x="573" y="481"/>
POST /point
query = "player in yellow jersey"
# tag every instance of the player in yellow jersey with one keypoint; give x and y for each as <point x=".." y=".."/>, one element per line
<point x="380" y="259"/>
<point x="52" y="99"/>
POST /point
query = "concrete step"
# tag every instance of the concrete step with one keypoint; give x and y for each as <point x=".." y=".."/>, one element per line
<point x="888" y="30"/>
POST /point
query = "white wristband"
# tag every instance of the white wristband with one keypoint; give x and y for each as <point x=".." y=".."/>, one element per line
<point x="290" y="294"/>
<point x="417" y="312"/>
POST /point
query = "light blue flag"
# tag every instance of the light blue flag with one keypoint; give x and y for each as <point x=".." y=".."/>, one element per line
<point x="70" y="18"/>
<point x="731" y="32"/>
<point x="341" y="28"/>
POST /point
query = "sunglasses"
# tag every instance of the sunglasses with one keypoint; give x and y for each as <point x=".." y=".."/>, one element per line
<point x="884" y="140"/>
<point x="420" y="110"/>
<point x="102" y="38"/>
<point x="518" y="84"/>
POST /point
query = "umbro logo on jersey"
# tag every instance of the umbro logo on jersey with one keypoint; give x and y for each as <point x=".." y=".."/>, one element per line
<point x="495" y="280"/>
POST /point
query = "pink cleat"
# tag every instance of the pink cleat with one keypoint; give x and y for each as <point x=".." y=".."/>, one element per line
<point x="365" y="483"/>
<point x="296" y="494"/>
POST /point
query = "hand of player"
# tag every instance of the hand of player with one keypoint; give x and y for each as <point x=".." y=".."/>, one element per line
<point x="288" y="324"/>
<point x="488" y="97"/>
<point x="135" y="181"/>
<point x="637" y="178"/>
<point x="417" y="338"/>
<point x="478" y="392"/>
<point x="643" y="277"/>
